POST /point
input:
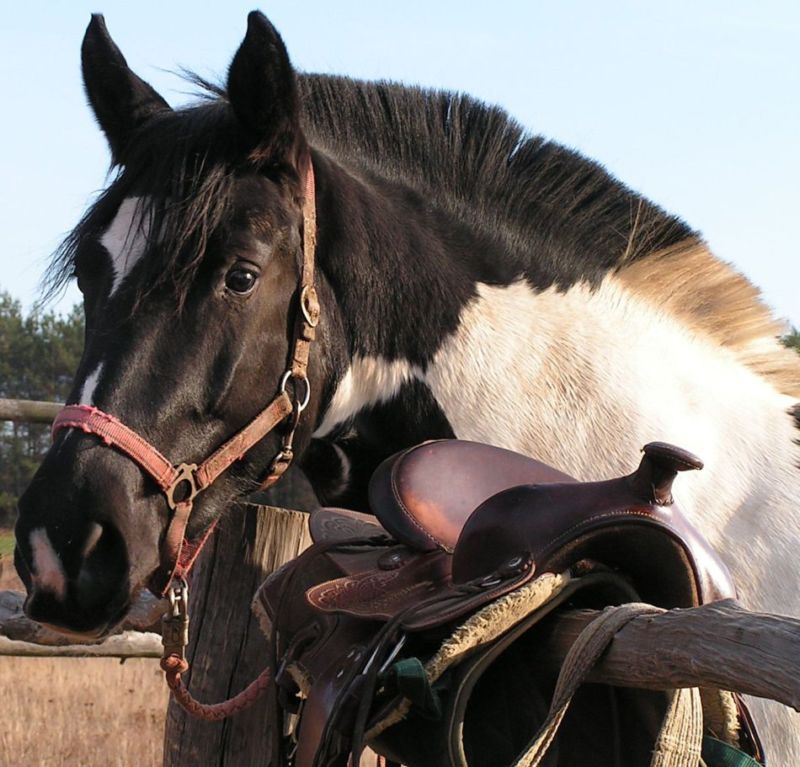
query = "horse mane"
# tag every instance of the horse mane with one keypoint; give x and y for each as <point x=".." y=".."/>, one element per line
<point x="689" y="282"/>
<point x="480" y="165"/>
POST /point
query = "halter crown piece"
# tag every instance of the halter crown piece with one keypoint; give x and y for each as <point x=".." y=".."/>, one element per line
<point x="182" y="482"/>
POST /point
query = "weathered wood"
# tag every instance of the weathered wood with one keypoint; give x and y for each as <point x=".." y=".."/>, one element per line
<point x="227" y="648"/>
<point x="17" y="632"/>
<point x="129" y="644"/>
<point x="718" y="645"/>
<point x="28" y="411"/>
<point x="21" y="636"/>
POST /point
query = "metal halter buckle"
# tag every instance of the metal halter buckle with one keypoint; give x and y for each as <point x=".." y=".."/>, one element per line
<point x="185" y="473"/>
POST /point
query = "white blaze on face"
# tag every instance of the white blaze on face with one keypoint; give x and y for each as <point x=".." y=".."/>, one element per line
<point x="126" y="238"/>
<point x="48" y="574"/>
<point x="90" y="384"/>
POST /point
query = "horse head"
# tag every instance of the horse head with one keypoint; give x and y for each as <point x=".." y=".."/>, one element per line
<point x="189" y="265"/>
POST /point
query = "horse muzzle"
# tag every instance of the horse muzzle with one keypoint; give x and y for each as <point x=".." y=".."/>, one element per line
<point x="86" y="591"/>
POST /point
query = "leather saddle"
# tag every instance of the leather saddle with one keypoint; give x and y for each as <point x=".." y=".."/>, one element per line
<point x="459" y="529"/>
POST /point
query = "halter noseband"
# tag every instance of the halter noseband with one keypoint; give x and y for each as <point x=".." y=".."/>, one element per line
<point x="181" y="483"/>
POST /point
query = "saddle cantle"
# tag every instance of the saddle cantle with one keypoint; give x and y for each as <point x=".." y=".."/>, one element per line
<point x="459" y="526"/>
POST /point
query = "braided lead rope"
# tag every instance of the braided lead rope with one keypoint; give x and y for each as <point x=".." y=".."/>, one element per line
<point x="173" y="666"/>
<point x="174" y="638"/>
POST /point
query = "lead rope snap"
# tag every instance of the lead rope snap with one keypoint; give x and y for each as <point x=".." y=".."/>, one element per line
<point x="175" y="632"/>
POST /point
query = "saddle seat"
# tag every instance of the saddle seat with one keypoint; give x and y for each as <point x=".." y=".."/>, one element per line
<point x="424" y="495"/>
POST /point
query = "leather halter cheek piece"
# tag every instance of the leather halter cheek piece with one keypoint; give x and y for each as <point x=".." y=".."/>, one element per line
<point x="181" y="483"/>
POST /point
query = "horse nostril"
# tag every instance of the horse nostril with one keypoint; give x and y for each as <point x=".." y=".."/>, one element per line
<point x="95" y="593"/>
<point x="103" y="571"/>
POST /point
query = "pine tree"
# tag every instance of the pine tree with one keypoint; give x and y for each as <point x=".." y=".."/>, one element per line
<point x="792" y="340"/>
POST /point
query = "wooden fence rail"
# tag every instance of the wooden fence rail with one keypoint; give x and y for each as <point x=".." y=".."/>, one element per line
<point x="718" y="645"/>
<point x="138" y="637"/>
<point x="28" y="410"/>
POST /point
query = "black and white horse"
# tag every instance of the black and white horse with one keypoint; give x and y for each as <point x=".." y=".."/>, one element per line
<point x="474" y="281"/>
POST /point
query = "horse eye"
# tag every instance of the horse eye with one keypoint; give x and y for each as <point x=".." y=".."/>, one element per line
<point x="240" y="280"/>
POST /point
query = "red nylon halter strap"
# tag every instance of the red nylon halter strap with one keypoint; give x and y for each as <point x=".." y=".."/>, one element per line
<point x="181" y="483"/>
<point x="177" y="554"/>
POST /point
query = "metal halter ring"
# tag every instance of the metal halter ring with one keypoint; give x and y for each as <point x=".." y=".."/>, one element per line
<point x="301" y="406"/>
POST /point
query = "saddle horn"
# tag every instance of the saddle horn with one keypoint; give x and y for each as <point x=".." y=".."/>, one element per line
<point x="660" y="465"/>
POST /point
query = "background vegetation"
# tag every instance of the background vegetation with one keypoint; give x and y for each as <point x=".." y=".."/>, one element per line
<point x="792" y="340"/>
<point x="39" y="353"/>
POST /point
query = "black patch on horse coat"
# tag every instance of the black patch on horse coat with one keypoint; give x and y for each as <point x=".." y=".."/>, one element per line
<point x="411" y="417"/>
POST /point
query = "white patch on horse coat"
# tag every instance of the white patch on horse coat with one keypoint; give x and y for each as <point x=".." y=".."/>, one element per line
<point x="126" y="238"/>
<point x="368" y="381"/>
<point x="89" y="385"/>
<point x="48" y="574"/>
<point x="583" y="379"/>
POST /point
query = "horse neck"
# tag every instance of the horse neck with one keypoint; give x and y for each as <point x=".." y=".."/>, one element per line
<point x="393" y="282"/>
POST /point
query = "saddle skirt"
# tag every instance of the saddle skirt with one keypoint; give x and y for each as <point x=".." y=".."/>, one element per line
<point x="410" y="630"/>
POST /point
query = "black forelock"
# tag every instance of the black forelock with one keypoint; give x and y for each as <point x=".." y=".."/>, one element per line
<point x="186" y="163"/>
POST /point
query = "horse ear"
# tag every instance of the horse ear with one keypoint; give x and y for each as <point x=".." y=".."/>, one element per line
<point x="262" y="89"/>
<point x="120" y="99"/>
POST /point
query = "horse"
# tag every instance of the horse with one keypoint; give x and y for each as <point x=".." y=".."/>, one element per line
<point x="473" y="281"/>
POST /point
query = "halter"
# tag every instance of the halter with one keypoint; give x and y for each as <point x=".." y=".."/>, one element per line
<point x="181" y="483"/>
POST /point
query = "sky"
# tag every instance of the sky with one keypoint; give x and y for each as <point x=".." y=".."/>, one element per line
<point x="694" y="104"/>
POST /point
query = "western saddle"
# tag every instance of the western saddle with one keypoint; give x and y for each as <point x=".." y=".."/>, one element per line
<point x="414" y="631"/>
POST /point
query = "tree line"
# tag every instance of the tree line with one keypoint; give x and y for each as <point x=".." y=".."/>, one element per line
<point x="39" y="353"/>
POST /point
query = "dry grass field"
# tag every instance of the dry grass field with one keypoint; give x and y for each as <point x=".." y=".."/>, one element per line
<point x="76" y="712"/>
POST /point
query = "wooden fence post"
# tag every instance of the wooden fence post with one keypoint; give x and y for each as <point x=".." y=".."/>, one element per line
<point x="227" y="648"/>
